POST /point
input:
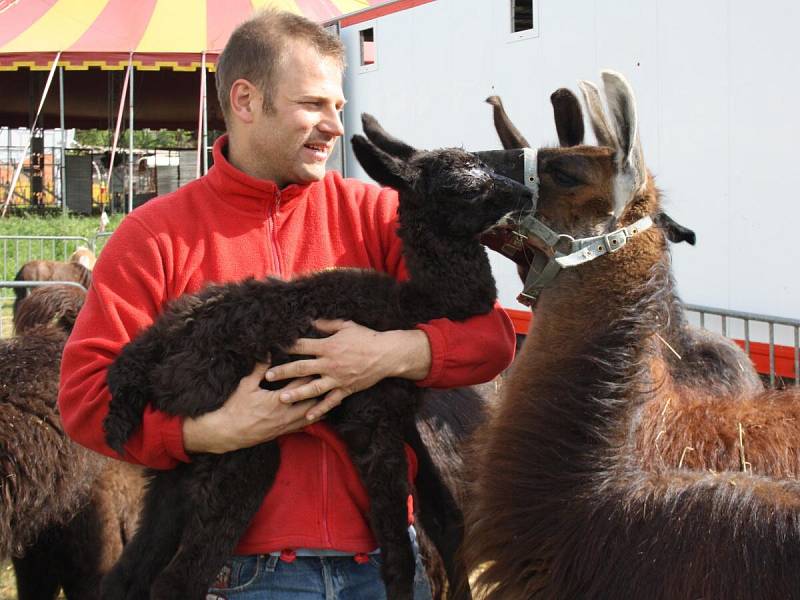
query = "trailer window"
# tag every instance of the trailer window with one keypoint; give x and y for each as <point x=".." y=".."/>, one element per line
<point x="367" y="42"/>
<point x="521" y="15"/>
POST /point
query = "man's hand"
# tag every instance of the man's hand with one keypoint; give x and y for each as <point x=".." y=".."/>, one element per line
<point x="352" y="359"/>
<point x="250" y="416"/>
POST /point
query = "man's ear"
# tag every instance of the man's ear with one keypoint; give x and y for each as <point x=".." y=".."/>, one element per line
<point x="383" y="168"/>
<point x="244" y="100"/>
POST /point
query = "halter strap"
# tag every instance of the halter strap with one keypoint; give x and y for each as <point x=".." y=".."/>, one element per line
<point x="544" y="268"/>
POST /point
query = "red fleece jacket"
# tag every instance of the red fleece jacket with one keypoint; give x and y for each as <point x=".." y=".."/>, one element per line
<point x="225" y="227"/>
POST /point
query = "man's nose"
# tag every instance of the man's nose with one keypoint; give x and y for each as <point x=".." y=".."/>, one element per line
<point x="332" y="123"/>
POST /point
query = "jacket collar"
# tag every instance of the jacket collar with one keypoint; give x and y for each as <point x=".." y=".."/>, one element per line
<point x="242" y="190"/>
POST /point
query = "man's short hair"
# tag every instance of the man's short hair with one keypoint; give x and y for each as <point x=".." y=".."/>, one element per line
<point x="256" y="47"/>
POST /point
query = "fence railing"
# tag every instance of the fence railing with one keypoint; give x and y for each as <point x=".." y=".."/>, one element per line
<point x="773" y="343"/>
<point x="16" y="250"/>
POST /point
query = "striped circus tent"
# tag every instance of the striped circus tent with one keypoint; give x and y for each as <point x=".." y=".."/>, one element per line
<point x="166" y="42"/>
<point x="160" y="33"/>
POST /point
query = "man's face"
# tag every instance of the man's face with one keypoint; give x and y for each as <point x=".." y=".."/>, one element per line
<point x="295" y="139"/>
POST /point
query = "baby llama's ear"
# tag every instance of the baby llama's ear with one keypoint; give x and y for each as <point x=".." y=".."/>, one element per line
<point x="383" y="168"/>
<point x="388" y="143"/>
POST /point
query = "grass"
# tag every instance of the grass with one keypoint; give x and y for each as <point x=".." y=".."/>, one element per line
<point x="8" y="586"/>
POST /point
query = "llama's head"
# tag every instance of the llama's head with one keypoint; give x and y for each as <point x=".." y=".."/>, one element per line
<point x="450" y="190"/>
<point x="590" y="190"/>
<point x="597" y="182"/>
<point x="591" y="199"/>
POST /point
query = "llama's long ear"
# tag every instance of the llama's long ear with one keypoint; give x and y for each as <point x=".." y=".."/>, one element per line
<point x="388" y="143"/>
<point x="510" y="136"/>
<point x="597" y="115"/>
<point x="383" y="168"/>
<point x="675" y="232"/>
<point x="622" y="106"/>
<point x="569" y="117"/>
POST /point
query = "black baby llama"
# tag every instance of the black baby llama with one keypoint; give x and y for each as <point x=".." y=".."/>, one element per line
<point x="447" y="198"/>
<point x="64" y="511"/>
<point x="569" y="505"/>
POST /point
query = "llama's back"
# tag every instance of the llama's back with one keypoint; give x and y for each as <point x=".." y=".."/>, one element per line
<point x="712" y="362"/>
<point x="698" y="431"/>
<point x="678" y="534"/>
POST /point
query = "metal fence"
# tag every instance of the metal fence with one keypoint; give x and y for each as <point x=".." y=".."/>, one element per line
<point x="773" y="343"/>
<point x="16" y="250"/>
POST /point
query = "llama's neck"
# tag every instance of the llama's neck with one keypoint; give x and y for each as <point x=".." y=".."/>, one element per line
<point x="447" y="277"/>
<point x="586" y="364"/>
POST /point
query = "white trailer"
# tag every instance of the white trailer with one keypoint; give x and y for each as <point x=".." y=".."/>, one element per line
<point x="716" y="87"/>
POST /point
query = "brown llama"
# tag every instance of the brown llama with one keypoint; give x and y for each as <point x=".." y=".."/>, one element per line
<point x="65" y="512"/>
<point x="51" y="270"/>
<point x="84" y="256"/>
<point x="630" y="457"/>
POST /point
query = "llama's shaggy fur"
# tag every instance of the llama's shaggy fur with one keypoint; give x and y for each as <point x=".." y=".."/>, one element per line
<point x="64" y="511"/>
<point x="585" y="486"/>
<point x="447" y="198"/>
<point x="446" y="422"/>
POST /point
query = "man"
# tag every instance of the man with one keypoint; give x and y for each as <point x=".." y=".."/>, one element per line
<point x="267" y="207"/>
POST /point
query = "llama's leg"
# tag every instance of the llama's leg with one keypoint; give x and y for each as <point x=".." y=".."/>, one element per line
<point x="224" y="500"/>
<point x="37" y="579"/>
<point x="156" y="539"/>
<point x="375" y="443"/>
<point x="440" y="516"/>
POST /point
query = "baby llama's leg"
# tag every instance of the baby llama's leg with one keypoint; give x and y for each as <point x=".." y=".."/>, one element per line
<point x="372" y="430"/>
<point x="226" y="494"/>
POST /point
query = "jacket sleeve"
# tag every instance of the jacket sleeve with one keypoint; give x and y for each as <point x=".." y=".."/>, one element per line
<point x="462" y="352"/>
<point x="127" y="292"/>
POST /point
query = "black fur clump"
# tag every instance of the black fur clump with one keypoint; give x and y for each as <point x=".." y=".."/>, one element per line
<point x="193" y="357"/>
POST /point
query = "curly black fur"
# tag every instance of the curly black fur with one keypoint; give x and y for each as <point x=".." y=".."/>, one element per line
<point x="194" y="355"/>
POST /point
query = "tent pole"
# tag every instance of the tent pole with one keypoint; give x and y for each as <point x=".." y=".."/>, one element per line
<point x="200" y="142"/>
<point x="130" y="140"/>
<point x="18" y="170"/>
<point x="116" y="129"/>
<point x="205" y="117"/>
<point x="63" y="172"/>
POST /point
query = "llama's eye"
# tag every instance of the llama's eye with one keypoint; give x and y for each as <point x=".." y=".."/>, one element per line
<point x="565" y="179"/>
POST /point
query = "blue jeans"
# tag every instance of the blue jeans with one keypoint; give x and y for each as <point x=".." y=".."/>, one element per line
<point x="267" y="577"/>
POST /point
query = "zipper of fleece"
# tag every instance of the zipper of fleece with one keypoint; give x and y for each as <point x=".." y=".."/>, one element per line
<point x="325" y="531"/>
<point x="273" y="234"/>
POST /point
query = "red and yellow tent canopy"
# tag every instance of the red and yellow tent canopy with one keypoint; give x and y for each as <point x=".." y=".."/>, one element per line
<point x="165" y="38"/>
<point x="160" y="33"/>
